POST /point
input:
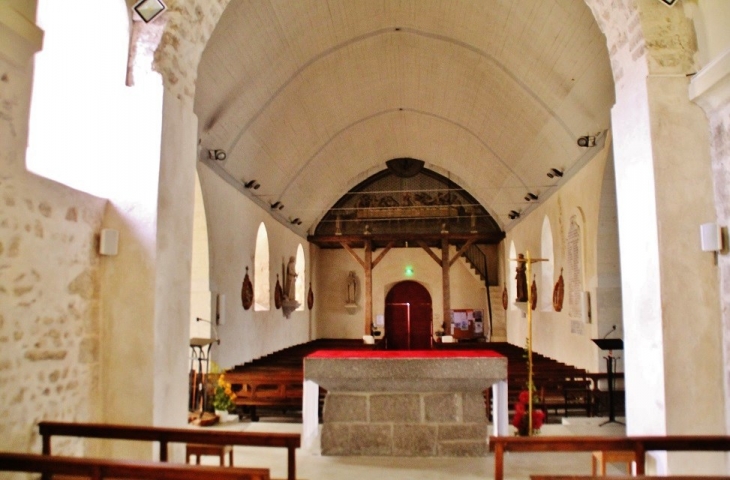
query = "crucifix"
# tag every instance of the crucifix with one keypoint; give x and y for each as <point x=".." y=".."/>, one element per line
<point x="525" y="267"/>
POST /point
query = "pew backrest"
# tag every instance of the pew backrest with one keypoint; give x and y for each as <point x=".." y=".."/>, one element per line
<point x="639" y="445"/>
<point x="98" y="469"/>
<point x="165" y="435"/>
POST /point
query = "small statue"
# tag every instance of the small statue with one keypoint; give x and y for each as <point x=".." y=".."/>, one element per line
<point x="291" y="276"/>
<point x="521" y="278"/>
<point x="351" y="288"/>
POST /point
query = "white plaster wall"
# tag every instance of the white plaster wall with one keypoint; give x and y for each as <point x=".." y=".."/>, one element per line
<point x="233" y="221"/>
<point x="49" y="295"/>
<point x="334" y="265"/>
<point x="552" y="334"/>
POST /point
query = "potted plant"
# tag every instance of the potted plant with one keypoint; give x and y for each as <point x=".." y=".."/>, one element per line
<point x="223" y="397"/>
<point x="520" y="420"/>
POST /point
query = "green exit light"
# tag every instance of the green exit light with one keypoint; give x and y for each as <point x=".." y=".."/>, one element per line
<point x="409" y="271"/>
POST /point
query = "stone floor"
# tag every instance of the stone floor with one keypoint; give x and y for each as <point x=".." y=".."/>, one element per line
<point x="312" y="466"/>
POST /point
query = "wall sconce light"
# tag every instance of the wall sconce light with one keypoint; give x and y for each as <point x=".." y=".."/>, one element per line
<point x="277" y="205"/>
<point x="252" y="184"/>
<point x="530" y="197"/>
<point x="587" y="141"/>
<point x="710" y="237"/>
<point x="513" y="214"/>
<point x="554" y="172"/>
<point x="219" y="155"/>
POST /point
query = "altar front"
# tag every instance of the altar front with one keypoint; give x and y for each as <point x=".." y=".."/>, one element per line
<point x="404" y="403"/>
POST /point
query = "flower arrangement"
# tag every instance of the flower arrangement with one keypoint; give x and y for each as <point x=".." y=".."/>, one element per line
<point x="520" y="420"/>
<point x="224" y="396"/>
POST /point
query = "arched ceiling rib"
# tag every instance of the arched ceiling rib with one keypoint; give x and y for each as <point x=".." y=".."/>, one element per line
<point x="494" y="93"/>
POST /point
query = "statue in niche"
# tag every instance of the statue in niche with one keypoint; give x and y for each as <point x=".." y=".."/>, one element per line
<point x="291" y="276"/>
<point x="351" y="288"/>
<point x="521" y="278"/>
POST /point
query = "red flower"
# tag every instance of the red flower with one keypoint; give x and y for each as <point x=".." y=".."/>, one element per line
<point x="524" y="397"/>
<point x="538" y="417"/>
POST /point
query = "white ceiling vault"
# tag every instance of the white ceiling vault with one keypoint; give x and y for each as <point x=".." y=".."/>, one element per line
<point x="310" y="97"/>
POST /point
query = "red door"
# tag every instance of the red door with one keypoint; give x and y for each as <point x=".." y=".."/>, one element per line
<point x="408" y="317"/>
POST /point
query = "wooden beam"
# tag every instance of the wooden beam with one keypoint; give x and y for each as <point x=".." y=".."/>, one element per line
<point x="368" y="287"/>
<point x="354" y="254"/>
<point x="446" y="283"/>
<point x="490" y="238"/>
<point x="429" y="251"/>
<point x="382" y="254"/>
<point x="468" y="244"/>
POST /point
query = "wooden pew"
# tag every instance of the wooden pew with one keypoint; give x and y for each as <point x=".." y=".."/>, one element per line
<point x="638" y="477"/>
<point x="165" y="435"/>
<point x="98" y="469"/>
<point x="639" y="445"/>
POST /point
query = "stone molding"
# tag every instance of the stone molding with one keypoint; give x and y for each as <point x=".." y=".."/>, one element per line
<point x="20" y="38"/>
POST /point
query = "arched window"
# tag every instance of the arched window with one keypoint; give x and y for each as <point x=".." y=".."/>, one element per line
<point x="301" y="275"/>
<point x="261" y="288"/>
<point x="547" y="268"/>
<point x="83" y="119"/>
<point x="510" y="277"/>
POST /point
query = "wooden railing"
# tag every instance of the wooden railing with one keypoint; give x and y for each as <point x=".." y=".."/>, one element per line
<point x="639" y="445"/>
<point x="98" y="469"/>
<point x="165" y="435"/>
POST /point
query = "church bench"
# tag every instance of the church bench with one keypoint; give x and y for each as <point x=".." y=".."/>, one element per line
<point x="165" y="435"/>
<point x="636" y="477"/>
<point x="639" y="445"/>
<point x="97" y="469"/>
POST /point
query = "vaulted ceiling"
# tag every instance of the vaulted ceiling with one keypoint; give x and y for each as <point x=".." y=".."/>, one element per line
<point x="311" y="97"/>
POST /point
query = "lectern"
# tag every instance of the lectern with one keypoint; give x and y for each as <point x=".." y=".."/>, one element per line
<point x="201" y="352"/>
<point x="610" y="344"/>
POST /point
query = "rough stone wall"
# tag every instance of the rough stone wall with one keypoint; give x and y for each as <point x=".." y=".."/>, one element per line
<point x="49" y="299"/>
<point x="189" y="24"/>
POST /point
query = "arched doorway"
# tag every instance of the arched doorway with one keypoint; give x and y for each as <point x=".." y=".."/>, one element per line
<point x="408" y="317"/>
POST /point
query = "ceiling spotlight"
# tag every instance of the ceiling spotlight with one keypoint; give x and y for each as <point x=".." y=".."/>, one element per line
<point x="295" y="221"/>
<point x="277" y="205"/>
<point x="513" y="214"/>
<point x="252" y="184"/>
<point x="530" y="196"/>
<point x="554" y="172"/>
<point x="219" y="155"/>
<point x="587" y="141"/>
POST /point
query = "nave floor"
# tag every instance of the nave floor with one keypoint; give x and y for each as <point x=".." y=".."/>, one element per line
<point x="517" y="466"/>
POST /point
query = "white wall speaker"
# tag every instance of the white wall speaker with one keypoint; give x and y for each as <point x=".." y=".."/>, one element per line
<point x="220" y="309"/>
<point x="109" y="242"/>
<point x="710" y="237"/>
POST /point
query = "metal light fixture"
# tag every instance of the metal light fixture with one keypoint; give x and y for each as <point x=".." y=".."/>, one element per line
<point x="277" y="205"/>
<point x="252" y="184"/>
<point x="513" y="214"/>
<point x="530" y="197"/>
<point x="148" y="10"/>
<point x="554" y="172"/>
<point x="586" y="141"/>
<point x="295" y="221"/>
<point x="219" y="155"/>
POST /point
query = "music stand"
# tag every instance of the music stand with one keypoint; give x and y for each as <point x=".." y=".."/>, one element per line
<point x="610" y="344"/>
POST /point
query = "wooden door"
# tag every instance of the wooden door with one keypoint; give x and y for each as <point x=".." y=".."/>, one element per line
<point x="408" y="317"/>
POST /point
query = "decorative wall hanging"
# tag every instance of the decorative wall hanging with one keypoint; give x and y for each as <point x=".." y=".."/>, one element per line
<point x="505" y="298"/>
<point x="277" y="293"/>
<point x="247" y="292"/>
<point x="533" y="294"/>
<point x="310" y="297"/>
<point x="558" y="293"/>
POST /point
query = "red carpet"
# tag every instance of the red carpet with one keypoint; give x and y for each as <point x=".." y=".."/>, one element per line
<point x="388" y="354"/>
